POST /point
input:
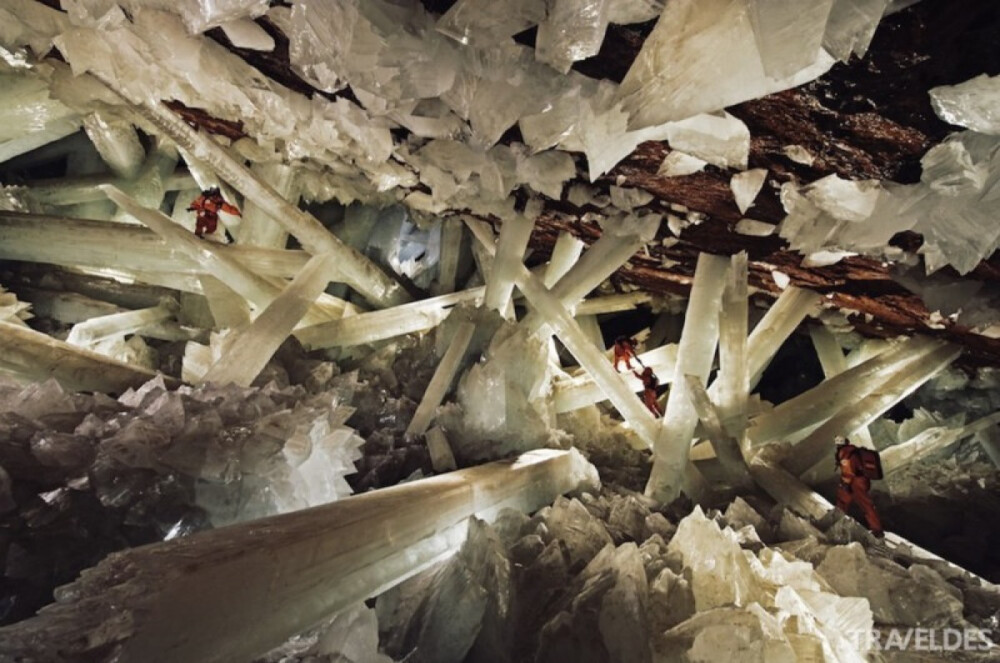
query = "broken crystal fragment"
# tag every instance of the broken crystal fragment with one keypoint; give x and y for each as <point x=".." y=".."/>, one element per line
<point x="677" y="72"/>
<point x="972" y="104"/>
<point x="678" y="164"/>
<point x="484" y="23"/>
<point x="721" y="140"/>
<point x="572" y="30"/>
<point x="244" y="33"/>
<point x="789" y="34"/>
<point x="851" y="26"/>
<point x="746" y="186"/>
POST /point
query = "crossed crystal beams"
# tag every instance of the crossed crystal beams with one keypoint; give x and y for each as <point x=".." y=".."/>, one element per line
<point x="553" y="313"/>
<point x="357" y="270"/>
<point x="233" y="593"/>
<point x="854" y="398"/>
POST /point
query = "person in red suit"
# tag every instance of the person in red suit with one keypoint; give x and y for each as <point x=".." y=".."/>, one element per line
<point x="207" y="206"/>
<point x="625" y="351"/>
<point x="649" y="384"/>
<point x="854" y="486"/>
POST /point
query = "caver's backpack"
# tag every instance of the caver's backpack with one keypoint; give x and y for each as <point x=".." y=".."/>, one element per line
<point x="868" y="459"/>
<point x="871" y="462"/>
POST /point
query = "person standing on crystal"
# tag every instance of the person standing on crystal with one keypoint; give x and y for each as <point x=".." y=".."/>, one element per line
<point x="649" y="384"/>
<point x="857" y="468"/>
<point x="208" y="205"/>
<point x="625" y="351"/>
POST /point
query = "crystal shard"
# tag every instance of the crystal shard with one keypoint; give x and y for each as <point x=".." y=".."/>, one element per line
<point x="721" y="140"/>
<point x="441" y="381"/>
<point x="251" y="347"/>
<point x="972" y="104"/>
<point x="746" y="186"/>
<point x="851" y="27"/>
<point x="677" y="72"/>
<point x="572" y="30"/>
<point x="484" y="23"/>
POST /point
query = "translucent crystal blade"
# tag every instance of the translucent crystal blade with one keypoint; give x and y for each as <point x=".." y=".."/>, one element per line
<point x="722" y="140"/>
<point x="733" y="378"/>
<point x="514" y="236"/>
<point x="258" y="228"/>
<point x="612" y="303"/>
<point x="791" y="307"/>
<point x="452" y="242"/>
<point x="727" y="448"/>
<point x="833" y="362"/>
<point x="695" y="355"/>
<point x="253" y="346"/>
<point x="789" y="34"/>
<point x="35" y="356"/>
<point x="441" y="381"/>
<point x="851" y="27"/>
<point x="37" y="238"/>
<point x="442" y="457"/>
<point x="331" y="557"/>
<point x="84" y="188"/>
<point x="98" y="329"/>
<point x="788" y="420"/>
<point x="117" y="142"/>
<point x="565" y="254"/>
<point x="387" y="323"/>
<point x="571" y="394"/>
<point x="228" y="309"/>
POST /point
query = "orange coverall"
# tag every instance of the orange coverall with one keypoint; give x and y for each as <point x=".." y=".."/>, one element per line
<point x="208" y="205"/>
<point x="854" y="487"/>
<point x="649" y="384"/>
<point x="624" y="351"/>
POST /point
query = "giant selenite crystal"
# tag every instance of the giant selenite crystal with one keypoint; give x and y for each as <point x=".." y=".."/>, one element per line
<point x="314" y="563"/>
<point x="972" y="104"/>
<point x="705" y="55"/>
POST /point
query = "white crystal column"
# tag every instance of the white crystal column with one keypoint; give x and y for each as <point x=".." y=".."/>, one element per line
<point x="117" y="142"/>
<point x="37" y="356"/>
<point x="441" y="381"/>
<point x="727" y="448"/>
<point x="360" y="272"/>
<point x="229" y="310"/>
<point x="252" y="347"/>
<point x="831" y="358"/>
<point x="786" y="489"/>
<point x="452" y="234"/>
<point x="789" y="420"/>
<point x="791" y="308"/>
<point x="565" y="254"/>
<point x="442" y="457"/>
<point x="147" y="188"/>
<point x="514" y="235"/>
<point x="733" y="378"/>
<point x="387" y="323"/>
<point x="627" y="301"/>
<point x="42" y="238"/>
<point x="859" y="411"/>
<point x="989" y="440"/>
<point x="233" y="593"/>
<point x="574" y="393"/>
<point x="97" y="329"/>
<point x="258" y="228"/>
<point x="694" y="357"/>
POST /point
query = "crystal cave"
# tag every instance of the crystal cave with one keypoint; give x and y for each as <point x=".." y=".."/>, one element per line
<point x="532" y="331"/>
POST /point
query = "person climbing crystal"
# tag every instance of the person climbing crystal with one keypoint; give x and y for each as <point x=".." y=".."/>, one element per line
<point x="649" y="384"/>
<point x="208" y="205"/>
<point x="625" y="351"/>
<point x="857" y="468"/>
